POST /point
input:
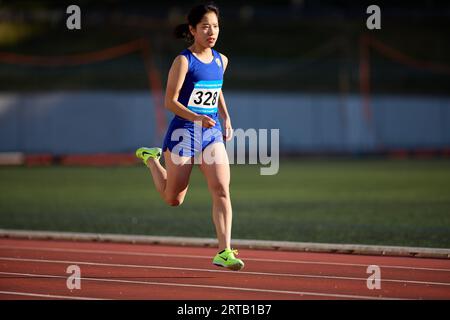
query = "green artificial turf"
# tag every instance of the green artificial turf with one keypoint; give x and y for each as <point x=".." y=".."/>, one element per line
<point x="389" y="202"/>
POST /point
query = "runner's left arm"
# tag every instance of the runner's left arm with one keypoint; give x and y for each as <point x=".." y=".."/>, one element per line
<point x="223" y="110"/>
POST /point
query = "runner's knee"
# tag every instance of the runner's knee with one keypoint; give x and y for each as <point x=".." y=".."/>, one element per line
<point x="219" y="190"/>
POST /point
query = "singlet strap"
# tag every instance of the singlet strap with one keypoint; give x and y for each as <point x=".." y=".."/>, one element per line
<point x="188" y="54"/>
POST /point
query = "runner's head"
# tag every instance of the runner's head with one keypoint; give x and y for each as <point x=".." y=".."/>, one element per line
<point x="202" y="26"/>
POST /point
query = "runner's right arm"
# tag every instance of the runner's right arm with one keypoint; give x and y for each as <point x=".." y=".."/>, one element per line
<point x="175" y="81"/>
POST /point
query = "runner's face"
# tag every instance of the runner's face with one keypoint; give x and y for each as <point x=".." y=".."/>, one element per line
<point x="207" y="30"/>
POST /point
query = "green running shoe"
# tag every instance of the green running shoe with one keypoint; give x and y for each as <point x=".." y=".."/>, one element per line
<point x="144" y="153"/>
<point x="226" y="258"/>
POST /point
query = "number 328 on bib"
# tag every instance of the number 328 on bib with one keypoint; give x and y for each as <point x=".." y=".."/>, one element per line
<point x="205" y="97"/>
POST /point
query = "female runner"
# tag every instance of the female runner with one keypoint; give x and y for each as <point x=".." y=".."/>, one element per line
<point x="195" y="97"/>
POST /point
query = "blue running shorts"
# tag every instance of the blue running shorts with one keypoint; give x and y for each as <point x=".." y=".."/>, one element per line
<point x="187" y="139"/>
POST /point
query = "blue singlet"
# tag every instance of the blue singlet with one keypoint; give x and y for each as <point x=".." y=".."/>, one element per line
<point x="200" y="94"/>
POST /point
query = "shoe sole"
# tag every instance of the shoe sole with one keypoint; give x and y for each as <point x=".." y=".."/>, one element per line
<point x="234" y="267"/>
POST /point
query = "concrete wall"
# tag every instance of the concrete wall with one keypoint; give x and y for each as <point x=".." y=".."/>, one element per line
<point x="86" y="122"/>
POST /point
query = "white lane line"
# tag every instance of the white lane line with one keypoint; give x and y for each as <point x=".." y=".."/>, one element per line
<point x="130" y="253"/>
<point x="173" y="284"/>
<point x="46" y="295"/>
<point x="427" y="283"/>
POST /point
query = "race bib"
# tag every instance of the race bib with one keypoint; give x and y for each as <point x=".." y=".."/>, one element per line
<point x="204" y="98"/>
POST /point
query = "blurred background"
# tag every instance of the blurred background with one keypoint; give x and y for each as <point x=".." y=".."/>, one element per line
<point x="363" y="116"/>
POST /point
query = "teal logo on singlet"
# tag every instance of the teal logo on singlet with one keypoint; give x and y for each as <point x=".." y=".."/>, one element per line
<point x="204" y="98"/>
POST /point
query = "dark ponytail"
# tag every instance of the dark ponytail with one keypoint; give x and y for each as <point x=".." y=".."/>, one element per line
<point x="194" y="17"/>
<point x="182" y="32"/>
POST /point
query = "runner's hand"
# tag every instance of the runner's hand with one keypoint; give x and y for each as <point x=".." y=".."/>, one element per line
<point x="228" y="130"/>
<point x="206" y="121"/>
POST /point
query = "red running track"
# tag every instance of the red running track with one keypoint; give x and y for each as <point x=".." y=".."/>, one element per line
<point x="37" y="269"/>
